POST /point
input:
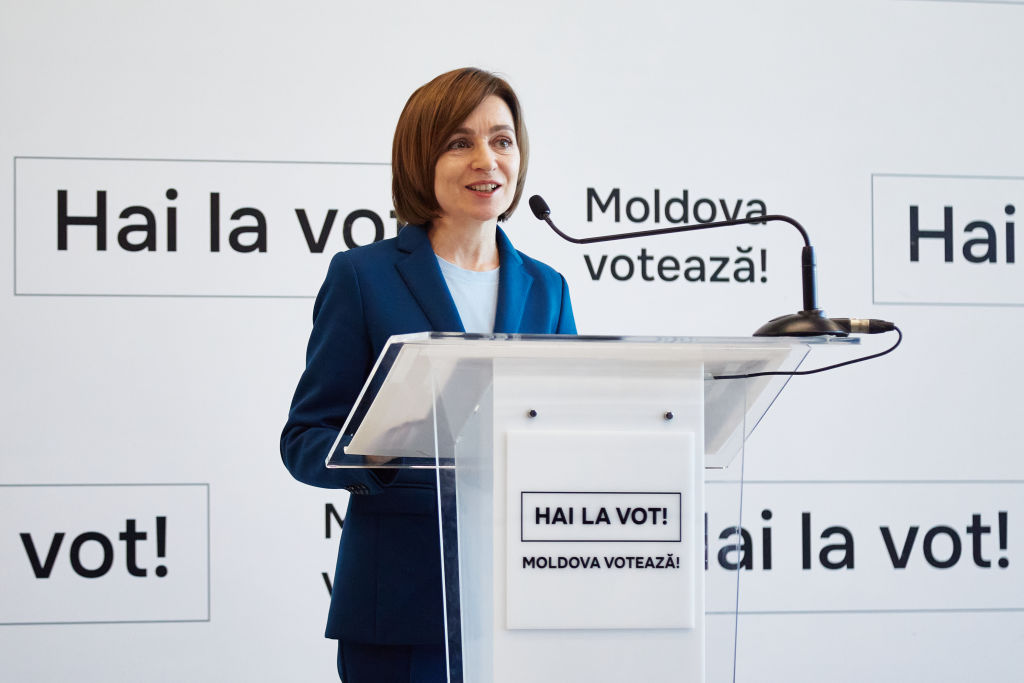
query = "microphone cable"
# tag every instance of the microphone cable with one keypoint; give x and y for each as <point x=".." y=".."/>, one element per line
<point x="869" y="326"/>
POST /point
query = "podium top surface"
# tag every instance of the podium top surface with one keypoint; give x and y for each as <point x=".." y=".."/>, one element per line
<point x="395" y="401"/>
<point x="500" y="345"/>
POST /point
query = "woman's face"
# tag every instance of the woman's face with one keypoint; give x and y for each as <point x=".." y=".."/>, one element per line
<point x="475" y="177"/>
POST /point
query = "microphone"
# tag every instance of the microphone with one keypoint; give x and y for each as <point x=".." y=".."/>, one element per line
<point x="540" y="207"/>
<point x="864" y="325"/>
<point x="809" y="322"/>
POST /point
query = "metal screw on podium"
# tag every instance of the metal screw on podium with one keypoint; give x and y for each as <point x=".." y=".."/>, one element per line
<point x="531" y="413"/>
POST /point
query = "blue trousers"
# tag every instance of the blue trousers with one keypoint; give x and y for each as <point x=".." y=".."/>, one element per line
<point x="368" y="663"/>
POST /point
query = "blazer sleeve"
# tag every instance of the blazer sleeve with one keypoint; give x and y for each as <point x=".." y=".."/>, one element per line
<point x="566" y="322"/>
<point x="339" y="358"/>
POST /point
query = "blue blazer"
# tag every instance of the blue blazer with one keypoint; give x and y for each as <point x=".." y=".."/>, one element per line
<point x="387" y="584"/>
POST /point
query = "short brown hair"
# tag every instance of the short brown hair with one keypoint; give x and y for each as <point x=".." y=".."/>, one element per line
<point x="429" y="118"/>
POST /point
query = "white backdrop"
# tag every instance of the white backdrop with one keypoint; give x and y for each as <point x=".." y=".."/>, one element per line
<point x="140" y="385"/>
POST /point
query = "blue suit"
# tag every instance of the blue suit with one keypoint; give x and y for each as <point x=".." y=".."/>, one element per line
<point x="387" y="585"/>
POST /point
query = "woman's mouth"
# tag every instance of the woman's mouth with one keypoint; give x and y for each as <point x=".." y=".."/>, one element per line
<point x="483" y="187"/>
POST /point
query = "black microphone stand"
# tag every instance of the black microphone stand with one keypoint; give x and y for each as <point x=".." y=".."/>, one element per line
<point x="810" y="322"/>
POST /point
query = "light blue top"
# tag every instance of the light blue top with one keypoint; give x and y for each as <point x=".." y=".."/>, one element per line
<point x="475" y="294"/>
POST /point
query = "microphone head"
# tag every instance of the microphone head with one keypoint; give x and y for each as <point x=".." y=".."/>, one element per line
<point x="539" y="207"/>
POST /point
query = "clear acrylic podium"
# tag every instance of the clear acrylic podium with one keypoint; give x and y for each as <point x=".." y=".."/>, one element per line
<point x="571" y="491"/>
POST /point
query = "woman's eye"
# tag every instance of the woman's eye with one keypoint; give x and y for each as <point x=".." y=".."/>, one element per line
<point x="458" y="143"/>
<point x="504" y="143"/>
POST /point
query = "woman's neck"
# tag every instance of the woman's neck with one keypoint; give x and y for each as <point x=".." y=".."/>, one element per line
<point x="470" y="246"/>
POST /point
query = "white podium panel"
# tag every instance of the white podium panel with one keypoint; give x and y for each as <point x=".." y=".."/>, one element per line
<point x="576" y="444"/>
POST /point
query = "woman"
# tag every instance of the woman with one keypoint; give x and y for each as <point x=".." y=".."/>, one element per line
<point x="459" y="163"/>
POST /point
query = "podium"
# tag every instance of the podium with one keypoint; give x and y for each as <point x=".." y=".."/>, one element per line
<point x="571" y="493"/>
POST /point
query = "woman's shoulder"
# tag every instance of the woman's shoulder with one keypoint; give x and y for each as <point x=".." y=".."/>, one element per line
<point x="368" y="255"/>
<point x="531" y="265"/>
<point x="539" y="268"/>
<point x="409" y="239"/>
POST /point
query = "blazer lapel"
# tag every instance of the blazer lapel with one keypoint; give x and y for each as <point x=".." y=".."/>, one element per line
<point x="423" y="277"/>
<point x="513" y="286"/>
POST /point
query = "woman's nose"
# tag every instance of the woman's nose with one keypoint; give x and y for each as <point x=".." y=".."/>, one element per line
<point x="484" y="158"/>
